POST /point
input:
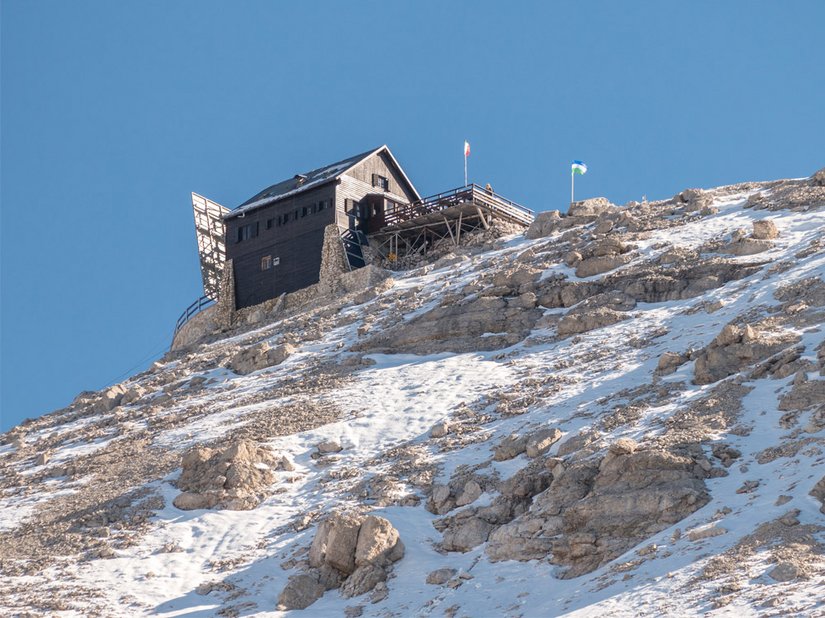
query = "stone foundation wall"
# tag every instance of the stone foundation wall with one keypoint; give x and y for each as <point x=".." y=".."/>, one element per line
<point x="202" y="324"/>
<point x="335" y="280"/>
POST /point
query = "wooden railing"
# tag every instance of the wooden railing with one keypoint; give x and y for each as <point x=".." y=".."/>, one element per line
<point x="199" y="305"/>
<point x="472" y="194"/>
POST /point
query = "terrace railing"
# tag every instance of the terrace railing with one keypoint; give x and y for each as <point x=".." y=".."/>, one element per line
<point x="196" y="307"/>
<point x="472" y="194"/>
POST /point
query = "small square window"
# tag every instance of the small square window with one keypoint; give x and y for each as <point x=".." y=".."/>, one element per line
<point x="380" y="182"/>
<point x="266" y="262"/>
<point x="269" y="224"/>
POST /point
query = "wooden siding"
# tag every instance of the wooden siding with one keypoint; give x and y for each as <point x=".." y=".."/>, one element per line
<point x="297" y="245"/>
<point x="382" y="164"/>
<point x="356" y="184"/>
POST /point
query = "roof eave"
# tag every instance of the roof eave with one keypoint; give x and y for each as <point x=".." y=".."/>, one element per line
<point x="242" y="211"/>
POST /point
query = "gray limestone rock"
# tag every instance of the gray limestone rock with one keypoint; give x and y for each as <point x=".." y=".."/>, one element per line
<point x="300" y="592"/>
<point x="577" y="322"/>
<point x="765" y="230"/>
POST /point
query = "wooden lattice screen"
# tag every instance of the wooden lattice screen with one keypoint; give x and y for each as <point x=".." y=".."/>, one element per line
<point x="211" y="232"/>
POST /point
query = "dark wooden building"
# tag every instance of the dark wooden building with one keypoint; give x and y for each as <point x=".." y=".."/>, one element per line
<point x="274" y="239"/>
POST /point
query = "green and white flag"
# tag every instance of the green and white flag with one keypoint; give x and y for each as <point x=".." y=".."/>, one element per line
<point x="578" y="167"/>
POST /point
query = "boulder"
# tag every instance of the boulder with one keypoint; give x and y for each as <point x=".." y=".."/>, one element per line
<point x="133" y="394"/>
<point x="466" y="535"/>
<point x="260" y="356"/>
<point x="472" y="491"/>
<point x="439" y="577"/>
<point x="342" y="540"/>
<point x="441" y="500"/>
<point x="510" y="447"/>
<point x="571" y="258"/>
<point x="604" y="226"/>
<point x="765" y="230"/>
<point x="591" y="207"/>
<point x="190" y="501"/>
<point x="439" y="430"/>
<point x="540" y="442"/>
<point x="329" y="446"/>
<point x="623" y="446"/>
<point x="818" y="178"/>
<point x="109" y="398"/>
<point x="378" y="543"/>
<point x="350" y="551"/>
<point x="300" y="592"/>
<point x="669" y="362"/>
<point x="318" y="549"/>
<point x="364" y="579"/>
<point x="746" y="246"/>
<point x="693" y="200"/>
<point x="235" y="478"/>
<point x="784" y="572"/>
<point x="544" y="224"/>
<point x="605" y="247"/>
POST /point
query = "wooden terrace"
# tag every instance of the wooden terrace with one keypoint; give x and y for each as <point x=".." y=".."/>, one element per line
<point x="412" y="228"/>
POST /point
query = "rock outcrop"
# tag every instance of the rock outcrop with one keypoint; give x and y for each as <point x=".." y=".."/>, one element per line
<point x="352" y="552"/>
<point x="261" y="356"/>
<point x="595" y="510"/>
<point x="585" y="319"/>
<point x="485" y="323"/>
<point x="235" y="478"/>
<point x="733" y="348"/>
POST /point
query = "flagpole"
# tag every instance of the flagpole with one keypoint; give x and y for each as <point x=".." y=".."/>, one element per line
<point x="465" y="167"/>
<point x="572" y="183"/>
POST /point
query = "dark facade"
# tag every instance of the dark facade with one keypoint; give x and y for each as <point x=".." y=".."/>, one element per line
<point x="275" y="239"/>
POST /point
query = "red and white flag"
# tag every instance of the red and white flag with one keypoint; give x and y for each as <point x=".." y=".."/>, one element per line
<point x="466" y="148"/>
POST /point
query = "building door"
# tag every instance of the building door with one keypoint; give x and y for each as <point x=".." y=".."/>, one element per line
<point x="372" y="213"/>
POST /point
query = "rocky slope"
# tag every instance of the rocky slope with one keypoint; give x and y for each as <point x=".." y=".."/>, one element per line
<point x="625" y="406"/>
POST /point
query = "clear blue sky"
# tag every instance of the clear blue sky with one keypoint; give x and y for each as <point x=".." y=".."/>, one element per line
<point x="113" y="112"/>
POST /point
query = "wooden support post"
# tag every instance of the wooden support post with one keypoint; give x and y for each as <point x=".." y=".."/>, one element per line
<point x="458" y="228"/>
<point x="455" y="242"/>
<point x="483" y="218"/>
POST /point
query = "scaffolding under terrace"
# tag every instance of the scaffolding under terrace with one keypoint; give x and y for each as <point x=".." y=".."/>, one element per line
<point x="414" y="228"/>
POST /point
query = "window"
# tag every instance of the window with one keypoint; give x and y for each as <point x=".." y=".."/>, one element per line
<point x="269" y="224"/>
<point x="321" y="205"/>
<point x="390" y="207"/>
<point x="245" y="232"/>
<point x="266" y="262"/>
<point x="381" y="182"/>
<point x="304" y="211"/>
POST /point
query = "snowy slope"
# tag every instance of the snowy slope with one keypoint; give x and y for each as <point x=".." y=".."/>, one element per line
<point x="93" y="531"/>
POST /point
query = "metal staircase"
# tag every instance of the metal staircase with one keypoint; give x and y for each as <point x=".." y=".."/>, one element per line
<point x="353" y="241"/>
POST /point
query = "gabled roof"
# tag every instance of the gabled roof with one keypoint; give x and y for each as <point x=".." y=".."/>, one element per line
<point x="310" y="180"/>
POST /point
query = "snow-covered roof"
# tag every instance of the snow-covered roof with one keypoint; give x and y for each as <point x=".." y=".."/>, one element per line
<point x="303" y="182"/>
